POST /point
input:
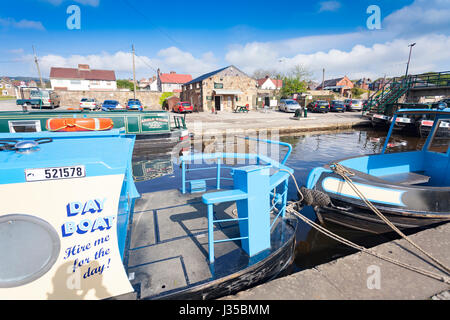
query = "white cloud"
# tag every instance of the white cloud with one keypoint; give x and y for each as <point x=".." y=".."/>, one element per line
<point x="184" y="61"/>
<point x="169" y="59"/>
<point x="329" y="6"/>
<point x="22" y="24"/>
<point x="422" y="16"/>
<point x="363" y="53"/>
<point x="374" y="61"/>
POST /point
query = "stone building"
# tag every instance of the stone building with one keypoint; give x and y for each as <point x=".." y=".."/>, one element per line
<point x="221" y="90"/>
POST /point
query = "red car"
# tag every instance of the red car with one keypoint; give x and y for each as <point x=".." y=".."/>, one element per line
<point x="183" y="107"/>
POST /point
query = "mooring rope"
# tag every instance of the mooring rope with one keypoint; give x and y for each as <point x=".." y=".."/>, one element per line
<point x="343" y="172"/>
<point x="291" y="209"/>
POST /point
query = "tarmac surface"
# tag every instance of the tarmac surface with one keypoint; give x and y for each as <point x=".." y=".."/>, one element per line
<point x="255" y="121"/>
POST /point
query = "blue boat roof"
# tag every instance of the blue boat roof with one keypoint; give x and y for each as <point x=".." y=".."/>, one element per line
<point x="104" y="152"/>
<point x="445" y="111"/>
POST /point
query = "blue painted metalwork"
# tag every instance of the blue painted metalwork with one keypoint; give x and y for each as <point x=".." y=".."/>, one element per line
<point x="391" y="129"/>
<point x="255" y="193"/>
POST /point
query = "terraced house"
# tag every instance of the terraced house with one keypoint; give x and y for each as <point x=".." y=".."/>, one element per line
<point x="221" y="90"/>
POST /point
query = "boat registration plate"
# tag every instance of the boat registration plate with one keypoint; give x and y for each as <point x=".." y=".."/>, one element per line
<point x="55" y="173"/>
<point x="403" y="120"/>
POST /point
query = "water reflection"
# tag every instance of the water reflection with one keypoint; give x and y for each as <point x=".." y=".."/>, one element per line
<point x="309" y="151"/>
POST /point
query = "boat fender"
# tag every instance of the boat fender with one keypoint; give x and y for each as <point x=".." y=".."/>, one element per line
<point x="315" y="198"/>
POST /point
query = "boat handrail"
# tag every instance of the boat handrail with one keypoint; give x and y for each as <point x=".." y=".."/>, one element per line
<point x="273" y="192"/>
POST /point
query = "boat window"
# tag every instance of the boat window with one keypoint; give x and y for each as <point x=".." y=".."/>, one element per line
<point x="441" y="138"/>
<point x="24" y="126"/>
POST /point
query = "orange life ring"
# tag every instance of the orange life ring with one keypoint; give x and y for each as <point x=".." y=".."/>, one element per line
<point x="79" y="124"/>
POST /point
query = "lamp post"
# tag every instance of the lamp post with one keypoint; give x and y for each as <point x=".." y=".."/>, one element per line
<point x="409" y="59"/>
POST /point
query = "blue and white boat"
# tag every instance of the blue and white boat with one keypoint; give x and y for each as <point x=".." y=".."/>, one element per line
<point x="65" y="209"/>
<point x="74" y="225"/>
<point x="412" y="189"/>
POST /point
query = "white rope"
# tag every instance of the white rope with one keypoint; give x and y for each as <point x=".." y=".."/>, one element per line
<point x="342" y="171"/>
<point x="290" y="209"/>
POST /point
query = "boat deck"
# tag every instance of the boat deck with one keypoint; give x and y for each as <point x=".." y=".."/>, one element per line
<point x="168" y="249"/>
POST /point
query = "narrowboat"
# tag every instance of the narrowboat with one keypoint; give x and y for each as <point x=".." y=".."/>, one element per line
<point x="143" y="124"/>
<point x="412" y="189"/>
<point x="75" y="225"/>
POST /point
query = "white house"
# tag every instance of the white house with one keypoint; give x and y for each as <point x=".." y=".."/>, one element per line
<point x="6" y="88"/>
<point x="270" y="84"/>
<point x="82" y="79"/>
<point x="150" y="84"/>
<point x="172" y="82"/>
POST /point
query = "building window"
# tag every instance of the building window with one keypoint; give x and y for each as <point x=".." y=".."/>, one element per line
<point x="75" y="81"/>
<point x="218" y="85"/>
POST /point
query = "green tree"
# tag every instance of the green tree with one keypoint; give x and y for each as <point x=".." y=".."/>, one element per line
<point x="125" y="84"/>
<point x="295" y="81"/>
<point x="357" y="92"/>
<point x="293" y="85"/>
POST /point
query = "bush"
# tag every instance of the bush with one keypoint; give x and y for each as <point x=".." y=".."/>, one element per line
<point x="164" y="97"/>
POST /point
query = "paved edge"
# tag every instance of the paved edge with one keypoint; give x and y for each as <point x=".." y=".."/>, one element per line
<point x="363" y="277"/>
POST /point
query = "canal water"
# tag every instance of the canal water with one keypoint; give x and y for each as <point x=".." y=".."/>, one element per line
<point x="309" y="151"/>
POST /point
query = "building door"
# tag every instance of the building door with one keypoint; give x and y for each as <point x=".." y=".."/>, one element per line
<point x="217" y="103"/>
<point x="267" y="101"/>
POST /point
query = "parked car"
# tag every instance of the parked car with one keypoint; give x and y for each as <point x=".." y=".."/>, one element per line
<point x="183" y="106"/>
<point x="89" y="104"/>
<point x="337" y="106"/>
<point x="288" y="105"/>
<point x="134" y="104"/>
<point x="319" y="106"/>
<point x="38" y="98"/>
<point x="354" y="105"/>
<point x="111" y="104"/>
<point x="347" y="103"/>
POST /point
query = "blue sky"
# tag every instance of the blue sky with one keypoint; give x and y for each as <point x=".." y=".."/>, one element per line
<point x="198" y="36"/>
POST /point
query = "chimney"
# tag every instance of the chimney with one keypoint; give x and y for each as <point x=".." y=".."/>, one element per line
<point x="83" y="67"/>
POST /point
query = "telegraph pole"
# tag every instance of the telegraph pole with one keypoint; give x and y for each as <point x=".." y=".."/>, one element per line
<point x="39" y="70"/>
<point x="134" y="73"/>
